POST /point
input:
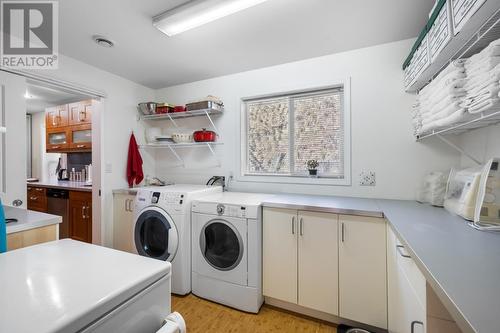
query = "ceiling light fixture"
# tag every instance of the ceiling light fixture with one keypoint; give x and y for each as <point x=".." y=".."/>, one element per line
<point x="103" y="41"/>
<point x="198" y="12"/>
<point x="27" y="95"/>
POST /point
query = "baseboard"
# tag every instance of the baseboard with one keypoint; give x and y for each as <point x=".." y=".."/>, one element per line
<point x="318" y="315"/>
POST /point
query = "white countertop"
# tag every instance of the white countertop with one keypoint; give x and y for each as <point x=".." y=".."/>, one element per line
<point x="28" y="219"/>
<point x="62" y="184"/>
<point x="62" y="286"/>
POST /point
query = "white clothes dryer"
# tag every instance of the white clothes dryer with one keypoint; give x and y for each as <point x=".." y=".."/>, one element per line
<point x="227" y="249"/>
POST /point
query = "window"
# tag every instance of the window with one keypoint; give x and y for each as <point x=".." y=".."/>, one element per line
<point x="281" y="133"/>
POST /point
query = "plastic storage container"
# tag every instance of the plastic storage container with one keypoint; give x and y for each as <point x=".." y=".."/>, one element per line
<point x="440" y="28"/>
<point x="462" y="11"/>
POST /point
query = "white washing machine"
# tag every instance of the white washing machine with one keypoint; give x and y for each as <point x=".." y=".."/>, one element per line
<point x="162" y="227"/>
<point x="227" y="249"/>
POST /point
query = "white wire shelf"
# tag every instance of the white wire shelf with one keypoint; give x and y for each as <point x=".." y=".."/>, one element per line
<point x="172" y="147"/>
<point x="180" y="115"/>
<point x="169" y="145"/>
<point x="482" y="29"/>
<point x="482" y="119"/>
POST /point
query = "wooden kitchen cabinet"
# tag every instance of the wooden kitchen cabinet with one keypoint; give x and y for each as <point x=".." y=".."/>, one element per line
<point x="37" y="199"/>
<point x="56" y="116"/>
<point x="362" y="270"/>
<point x="80" y="113"/>
<point x="30" y="237"/>
<point x="80" y="216"/>
<point x="69" y="127"/>
<point x="300" y="261"/>
<point x="123" y="221"/>
<point x="80" y="137"/>
<point x="57" y="140"/>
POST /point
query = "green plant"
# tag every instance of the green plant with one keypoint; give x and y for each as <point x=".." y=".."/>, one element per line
<point x="312" y="164"/>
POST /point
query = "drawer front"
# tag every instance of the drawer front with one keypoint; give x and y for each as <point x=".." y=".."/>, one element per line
<point x="37" y="199"/>
<point x="409" y="268"/>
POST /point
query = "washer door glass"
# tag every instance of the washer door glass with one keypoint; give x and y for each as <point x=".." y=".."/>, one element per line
<point x="221" y="245"/>
<point x="155" y="235"/>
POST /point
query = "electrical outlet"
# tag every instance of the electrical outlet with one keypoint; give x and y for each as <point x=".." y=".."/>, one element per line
<point x="367" y="178"/>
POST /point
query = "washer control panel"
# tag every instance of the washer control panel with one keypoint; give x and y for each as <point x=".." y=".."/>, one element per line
<point x="231" y="210"/>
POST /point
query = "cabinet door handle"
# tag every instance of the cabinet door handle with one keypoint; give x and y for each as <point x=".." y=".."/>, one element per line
<point x="293" y="225"/>
<point x="56" y="147"/>
<point x="301" y="226"/>
<point x="415" y="322"/>
<point x="342" y="228"/>
<point x="126" y="205"/>
<point x="130" y="207"/>
<point x="33" y="198"/>
<point x="400" y="251"/>
<point x="39" y="189"/>
<point x="88" y="213"/>
<point x="83" y="212"/>
<point x="80" y="146"/>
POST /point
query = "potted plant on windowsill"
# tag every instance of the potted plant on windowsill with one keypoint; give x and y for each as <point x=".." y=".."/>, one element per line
<point x="312" y="166"/>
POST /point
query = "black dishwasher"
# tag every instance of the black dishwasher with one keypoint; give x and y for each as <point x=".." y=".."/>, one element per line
<point x="58" y="204"/>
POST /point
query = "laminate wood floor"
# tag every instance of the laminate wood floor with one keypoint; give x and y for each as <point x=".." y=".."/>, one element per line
<point x="207" y="317"/>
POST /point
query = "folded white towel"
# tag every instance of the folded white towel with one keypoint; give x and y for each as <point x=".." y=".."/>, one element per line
<point x="447" y="111"/>
<point x="453" y="119"/>
<point x="484" y="105"/>
<point x="490" y="90"/>
<point x="487" y="61"/>
<point x="493" y="49"/>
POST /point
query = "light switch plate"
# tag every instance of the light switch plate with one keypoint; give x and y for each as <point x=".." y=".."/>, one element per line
<point x="367" y="178"/>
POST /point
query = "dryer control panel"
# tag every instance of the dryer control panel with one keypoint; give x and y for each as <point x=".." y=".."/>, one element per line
<point x="231" y="210"/>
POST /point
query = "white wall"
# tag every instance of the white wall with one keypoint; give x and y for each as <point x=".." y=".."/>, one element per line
<point x="119" y="119"/>
<point x="382" y="138"/>
<point x="482" y="143"/>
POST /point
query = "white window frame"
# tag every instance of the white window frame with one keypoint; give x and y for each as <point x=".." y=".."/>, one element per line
<point x="346" y="181"/>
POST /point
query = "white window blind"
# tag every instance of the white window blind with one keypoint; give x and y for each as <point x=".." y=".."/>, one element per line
<point x="284" y="132"/>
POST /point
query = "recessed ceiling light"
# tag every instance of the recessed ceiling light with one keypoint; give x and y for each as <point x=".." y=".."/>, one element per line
<point x="103" y="41"/>
<point x="198" y="12"/>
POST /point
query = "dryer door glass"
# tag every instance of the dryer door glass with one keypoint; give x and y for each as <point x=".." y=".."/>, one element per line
<point x="221" y="245"/>
<point x="155" y="235"/>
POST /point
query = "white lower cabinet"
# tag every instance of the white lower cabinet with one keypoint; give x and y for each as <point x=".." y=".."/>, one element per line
<point x="123" y="220"/>
<point x="362" y="270"/>
<point x="318" y="261"/>
<point x="406" y="290"/>
<point x="300" y="258"/>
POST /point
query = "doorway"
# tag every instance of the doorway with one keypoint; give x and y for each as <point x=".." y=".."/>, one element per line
<point x="79" y="151"/>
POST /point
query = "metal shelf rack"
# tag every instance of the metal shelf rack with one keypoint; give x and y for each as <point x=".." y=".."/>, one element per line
<point x="174" y="146"/>
<point x="482" y="29"/>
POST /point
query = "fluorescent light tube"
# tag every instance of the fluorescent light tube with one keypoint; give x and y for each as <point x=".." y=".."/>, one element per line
<point x="198" y="12"/>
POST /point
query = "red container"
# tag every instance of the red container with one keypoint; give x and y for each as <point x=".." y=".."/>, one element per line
<point x="204" y="136"/>
<point x="180" y="108"/>
<point x="164" y="108"/>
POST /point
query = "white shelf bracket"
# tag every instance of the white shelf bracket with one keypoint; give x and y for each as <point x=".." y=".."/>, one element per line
<point x="213" y="153"/>
<point x="457" y="148"/>
<point x="172" y="120"/>
<point x="211" y="122"/>
<point x="176" y="155"/>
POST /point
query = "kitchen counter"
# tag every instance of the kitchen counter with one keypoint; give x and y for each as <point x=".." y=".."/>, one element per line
<point x="327" y="204"/>
<point x="460" y="263"/>
<point x="28" y="219"/>
<point x="62" y="184"/>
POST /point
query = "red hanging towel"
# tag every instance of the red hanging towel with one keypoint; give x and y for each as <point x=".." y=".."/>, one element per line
<point x="134" y="163"/>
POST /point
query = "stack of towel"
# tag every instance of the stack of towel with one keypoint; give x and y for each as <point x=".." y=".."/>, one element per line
<point x="439" y="104"/>
<point x="483" y="76"/>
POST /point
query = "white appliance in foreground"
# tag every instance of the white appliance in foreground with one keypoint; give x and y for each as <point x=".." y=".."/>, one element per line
<point x="227" y="249"/>
<point x="162" y="227"/>
<point x="70" y="286"/>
